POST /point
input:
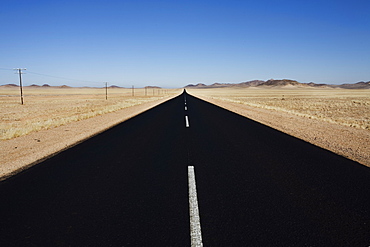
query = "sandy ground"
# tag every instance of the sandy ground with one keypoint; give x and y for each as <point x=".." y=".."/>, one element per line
<point x="50" y="107"/>
<point x="347" y="141"/>
<point x="20" y="153"/>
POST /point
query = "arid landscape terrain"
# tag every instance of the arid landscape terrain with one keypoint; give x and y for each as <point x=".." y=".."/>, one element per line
<point x="336" y="119"/>
<point x="344" y="107"/>
<point x="48" y="107"/>
<point x="53" y="119"/>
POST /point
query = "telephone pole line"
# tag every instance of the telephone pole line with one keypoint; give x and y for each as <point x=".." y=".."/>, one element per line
<point x="106" y="90"/>
<point x="20" y="82"/>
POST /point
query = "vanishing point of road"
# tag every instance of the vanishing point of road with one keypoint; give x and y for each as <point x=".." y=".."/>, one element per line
<point x="188" y="173"/>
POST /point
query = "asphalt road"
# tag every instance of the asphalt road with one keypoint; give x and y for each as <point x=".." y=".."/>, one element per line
<point x="129" y="187"/>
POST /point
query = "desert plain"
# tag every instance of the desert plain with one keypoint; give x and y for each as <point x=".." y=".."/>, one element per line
<point x="53" y="119"/>
<point x="50" y="107"/>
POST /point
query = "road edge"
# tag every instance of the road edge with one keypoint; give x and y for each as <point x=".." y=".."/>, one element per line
<point x="327" y="143"/>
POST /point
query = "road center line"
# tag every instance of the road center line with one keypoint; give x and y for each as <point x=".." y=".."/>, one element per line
<point x="186" y="108"/>
<point x="195" y="229"/>
<point x="187" y="121"/>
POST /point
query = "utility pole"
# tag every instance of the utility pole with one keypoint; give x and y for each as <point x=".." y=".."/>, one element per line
<point x="106" y="90"/>
<point x="20" y="82"/>
<point x="133" y="93"/>
<point x="145" y="91"/>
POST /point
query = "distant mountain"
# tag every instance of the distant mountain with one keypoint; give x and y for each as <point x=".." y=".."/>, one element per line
<point x="65" y="86"/>
<point x="311" y="84"/>
<point x="199" y="85"/>
<point x="282" y="83"/>
<point x="152" y="87"/>
<point x="358" y="85"/>
<point x="217" y="85"/>
<point x="254" y="83"/>
<point x="9" y="85"/>
<point x="35" y="85"/>
<point x="221" y="85"/>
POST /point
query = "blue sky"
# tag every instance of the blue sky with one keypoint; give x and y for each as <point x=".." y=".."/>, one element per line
<point x="175" y="43"/>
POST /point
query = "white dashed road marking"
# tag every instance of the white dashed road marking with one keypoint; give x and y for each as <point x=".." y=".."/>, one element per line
<point x="186" y="108"/>
<point x="195" y="229"/>
<point x="187" y="121"/>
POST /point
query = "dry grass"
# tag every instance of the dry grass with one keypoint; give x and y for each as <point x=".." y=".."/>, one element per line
<point x="340" y="106"/>
<point x="46" y="108"/>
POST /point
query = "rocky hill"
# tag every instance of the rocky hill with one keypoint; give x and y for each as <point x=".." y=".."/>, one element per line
<point x="152" y="87"/>
<point x="358" y="85"/>
<point x="9" y="85"/>
<point x="282" y="83"/>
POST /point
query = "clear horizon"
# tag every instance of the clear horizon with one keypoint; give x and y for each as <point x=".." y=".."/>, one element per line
<point x="150" y="86"/>
<point x="175" y="43"/>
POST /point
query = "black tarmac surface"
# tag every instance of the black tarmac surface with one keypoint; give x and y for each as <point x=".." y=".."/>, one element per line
<point x="128" y="187"/>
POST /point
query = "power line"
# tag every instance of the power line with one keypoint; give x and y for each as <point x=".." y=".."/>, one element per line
<point x="58" y="77"/>
<point x="19" y="71"/>
<point x="64" y="78"/>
